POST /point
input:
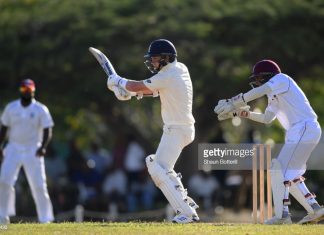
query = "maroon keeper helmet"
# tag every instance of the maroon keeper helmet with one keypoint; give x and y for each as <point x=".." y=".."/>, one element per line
<point x="263" y="71"/>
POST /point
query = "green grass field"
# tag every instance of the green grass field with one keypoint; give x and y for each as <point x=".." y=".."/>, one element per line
<point x="160" y="228"/>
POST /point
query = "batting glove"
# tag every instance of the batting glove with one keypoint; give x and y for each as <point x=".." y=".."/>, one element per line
<point x="113" y="81"/>
<point x="121" y="94"/>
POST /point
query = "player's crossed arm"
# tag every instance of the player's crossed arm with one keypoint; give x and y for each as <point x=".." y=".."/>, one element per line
<point x="237" y="106"/>
<point x="244" y="112"/>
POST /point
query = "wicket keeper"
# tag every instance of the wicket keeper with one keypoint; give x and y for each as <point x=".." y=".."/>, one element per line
<point x="288" y="103"/>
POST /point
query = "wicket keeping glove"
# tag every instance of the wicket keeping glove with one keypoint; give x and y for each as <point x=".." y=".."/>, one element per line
<point x="226" y="106"/>
<point x="240" y="112"/>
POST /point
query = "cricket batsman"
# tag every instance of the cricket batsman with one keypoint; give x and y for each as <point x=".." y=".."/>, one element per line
<point x="28" y="125"/>
<point x="172" y="82"/>
<point x="288" y="103"/>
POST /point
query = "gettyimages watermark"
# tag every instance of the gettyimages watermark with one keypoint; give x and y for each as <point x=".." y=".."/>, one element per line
<point x="296" y="156"/>
<point x="226" y="156"/>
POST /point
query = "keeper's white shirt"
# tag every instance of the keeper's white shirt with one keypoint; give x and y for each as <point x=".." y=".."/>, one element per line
<point x="175" y="88"/>
<point x="26" y="124"/>
<point x="288" y="101"/>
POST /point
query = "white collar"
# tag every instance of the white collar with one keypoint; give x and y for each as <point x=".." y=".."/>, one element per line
<point x="169" y="65"/>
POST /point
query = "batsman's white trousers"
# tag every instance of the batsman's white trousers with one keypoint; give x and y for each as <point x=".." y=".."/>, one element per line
<point x="174" y="139"/>
<point x="15" y="157"/>
<point x="300" y="141"/>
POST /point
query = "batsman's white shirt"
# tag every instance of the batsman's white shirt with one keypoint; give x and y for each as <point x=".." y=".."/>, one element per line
<point x="295" y="114"/>
<point x="26" y="124"/>
<point x="175" y="88"/>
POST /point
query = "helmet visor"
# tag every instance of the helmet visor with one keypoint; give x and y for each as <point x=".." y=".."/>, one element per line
<point x="257" y="80"/>
<point x="149" y="64"/>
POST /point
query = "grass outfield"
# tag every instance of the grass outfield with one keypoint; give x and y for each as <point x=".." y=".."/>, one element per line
<point x="160" y="228"/>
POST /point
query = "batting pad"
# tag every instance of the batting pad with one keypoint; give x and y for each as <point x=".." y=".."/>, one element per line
<point x="171" y="186"/>
<point x="299" y="196"/>
<point x="278" y="188"/>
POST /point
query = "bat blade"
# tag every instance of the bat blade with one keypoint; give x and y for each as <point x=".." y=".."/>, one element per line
<point x="108" y="68"/>
<point x="103" y="61"/>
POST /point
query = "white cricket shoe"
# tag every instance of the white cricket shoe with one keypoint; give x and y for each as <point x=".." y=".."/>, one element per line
<point x="4" y="220"/>
<point x="183" y="219"/>
<point x="275" y="220"/>
<point x="313" y="218"/>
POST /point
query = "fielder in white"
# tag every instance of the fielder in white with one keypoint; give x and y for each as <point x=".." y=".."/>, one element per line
<point x="173" y="84"/>
<point x="288" y="103"/>
<point x="28" y="125"/>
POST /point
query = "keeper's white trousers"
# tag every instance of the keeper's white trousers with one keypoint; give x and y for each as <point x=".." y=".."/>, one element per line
<point x="174" y="139"/>
<point x="300" y="141"/>
<point x="15" y="157"/>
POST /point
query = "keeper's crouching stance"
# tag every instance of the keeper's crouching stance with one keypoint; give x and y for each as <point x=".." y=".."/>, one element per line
<point x="288" y="103"/>
<point x="172" y="83"/>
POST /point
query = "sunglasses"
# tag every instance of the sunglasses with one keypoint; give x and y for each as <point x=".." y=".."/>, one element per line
<point x="25" y="89"/>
